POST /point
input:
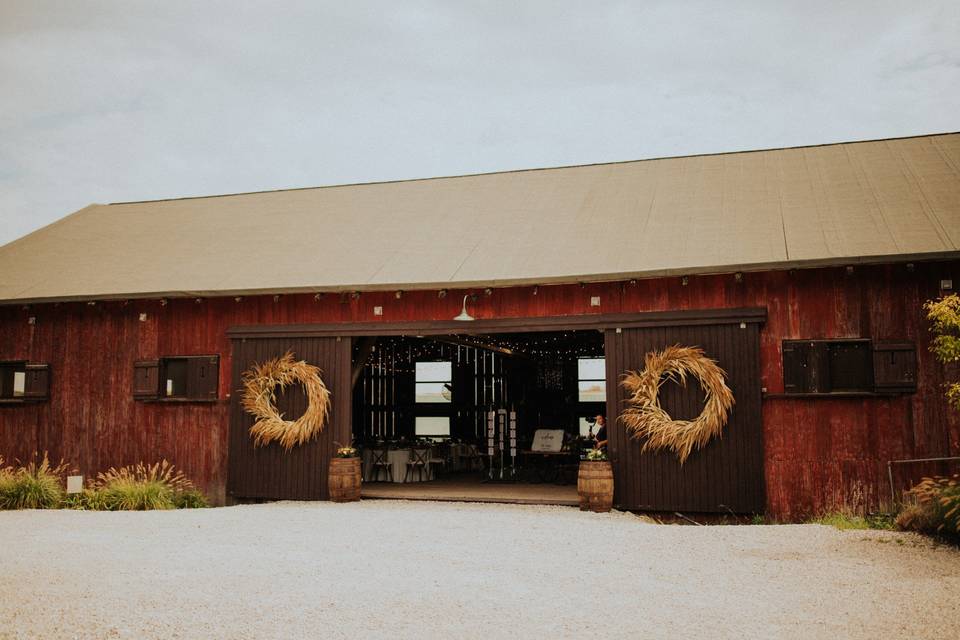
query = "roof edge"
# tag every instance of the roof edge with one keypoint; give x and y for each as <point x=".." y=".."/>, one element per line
<point x="527" y="170"/>
<point x="504" y="283"/>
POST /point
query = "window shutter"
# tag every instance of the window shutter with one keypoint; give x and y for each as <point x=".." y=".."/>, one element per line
<point x="37" y="385"/>
<point x="795" y="366"/>
<point x="203" y="376"/>
<point x="895" y="367"/>
<point x="146" y="379"/>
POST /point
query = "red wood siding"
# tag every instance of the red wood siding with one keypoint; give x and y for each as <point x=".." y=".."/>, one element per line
<point x="818" y="453"/>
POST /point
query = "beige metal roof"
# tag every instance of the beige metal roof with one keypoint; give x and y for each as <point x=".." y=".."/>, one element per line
<point x="833" y="204"/>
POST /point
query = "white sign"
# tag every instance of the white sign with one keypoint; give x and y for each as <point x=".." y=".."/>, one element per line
<point x="74" y="484"/>
<point x="547" y="440"/>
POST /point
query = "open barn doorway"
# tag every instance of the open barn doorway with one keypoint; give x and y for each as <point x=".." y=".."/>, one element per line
<point x="501" y="417"/>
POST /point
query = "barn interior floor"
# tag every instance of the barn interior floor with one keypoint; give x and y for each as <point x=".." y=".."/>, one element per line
<point x="459" y="489"/>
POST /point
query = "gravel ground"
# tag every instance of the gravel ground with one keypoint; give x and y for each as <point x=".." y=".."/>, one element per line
<point x="427" y="570"/>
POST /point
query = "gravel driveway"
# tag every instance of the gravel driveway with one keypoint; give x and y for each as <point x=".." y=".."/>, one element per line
<point x="429" y="570"/>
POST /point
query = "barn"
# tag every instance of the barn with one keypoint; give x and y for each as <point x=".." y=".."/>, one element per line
<point x="126" y="328"/>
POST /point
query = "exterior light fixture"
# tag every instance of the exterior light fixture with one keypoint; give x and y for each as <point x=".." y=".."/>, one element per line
<point x="849" y="269"/>
<point x="398" y="295"/>
<point x="464" y="316"/>
<point x="738" y="276"/>
<point x="685" y="280"/>
<point x="442" y="293"/>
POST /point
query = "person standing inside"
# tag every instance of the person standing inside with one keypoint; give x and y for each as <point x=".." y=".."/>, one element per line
<point x="601" y="434"/>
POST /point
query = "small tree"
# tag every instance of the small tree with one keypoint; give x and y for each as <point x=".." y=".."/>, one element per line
<point x="945" y="316"/>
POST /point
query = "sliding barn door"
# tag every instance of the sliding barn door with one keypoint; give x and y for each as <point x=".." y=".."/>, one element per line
<point x="269" y="472"/>
<point x="724" y="476"/>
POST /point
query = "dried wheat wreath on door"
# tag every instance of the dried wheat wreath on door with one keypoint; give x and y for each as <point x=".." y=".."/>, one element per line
<point x="260" y="383"/>
<point x="645" y="418"/>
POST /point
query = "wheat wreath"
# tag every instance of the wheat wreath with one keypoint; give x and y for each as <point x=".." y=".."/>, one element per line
<point x="645" y="418"/>
<point x="260" y="383"/>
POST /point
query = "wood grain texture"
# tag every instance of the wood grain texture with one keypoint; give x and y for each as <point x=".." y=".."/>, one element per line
<point x="818" y="453"/>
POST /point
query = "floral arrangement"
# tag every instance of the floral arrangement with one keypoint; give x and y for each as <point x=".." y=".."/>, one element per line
<point x="596" y="455"/>
<point x="348" y="451"/>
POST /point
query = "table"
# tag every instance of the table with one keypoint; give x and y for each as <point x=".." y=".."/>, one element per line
<point x="398" y="459"/>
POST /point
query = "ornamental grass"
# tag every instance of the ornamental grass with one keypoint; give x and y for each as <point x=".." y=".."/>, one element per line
<point x="39" y="485"/>
<point x="934" y="507"/>
<point x="144" y="488"/>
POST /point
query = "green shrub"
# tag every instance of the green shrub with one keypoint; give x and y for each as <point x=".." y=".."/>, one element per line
<point x="935" y="507"/>
<point x="146" y="487"/>
<point x="35" y="486"/>
<point x="190" y="499"/>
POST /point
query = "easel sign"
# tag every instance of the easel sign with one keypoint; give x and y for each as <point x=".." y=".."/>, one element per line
<point x="547" y="440"/>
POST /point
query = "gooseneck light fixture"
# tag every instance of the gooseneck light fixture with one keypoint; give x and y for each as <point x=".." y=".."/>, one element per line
<point x="464" y="316"/>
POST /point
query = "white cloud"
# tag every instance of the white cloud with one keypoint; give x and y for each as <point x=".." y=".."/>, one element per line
<point x="103" y="102"/>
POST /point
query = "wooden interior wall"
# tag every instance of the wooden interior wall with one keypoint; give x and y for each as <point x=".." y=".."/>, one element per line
<point x="818" y="453"/>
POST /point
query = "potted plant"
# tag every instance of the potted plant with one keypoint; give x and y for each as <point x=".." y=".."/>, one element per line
<point x="344" y="475"/>
<point x="595" y="482"/>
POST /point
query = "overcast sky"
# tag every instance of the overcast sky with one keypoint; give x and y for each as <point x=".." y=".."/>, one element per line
<point x="115" y="101"/>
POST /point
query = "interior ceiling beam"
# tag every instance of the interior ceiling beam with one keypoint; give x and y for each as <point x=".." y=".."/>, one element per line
<point x="463" y="341"/>
<point x="366" y="347"/>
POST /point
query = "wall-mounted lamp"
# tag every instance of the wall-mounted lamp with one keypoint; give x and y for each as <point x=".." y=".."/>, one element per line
<point x="738" y="276"/>
<point x="464" y="316"/>
<point x="685" y="280"/>
<point x="442" y="293"/>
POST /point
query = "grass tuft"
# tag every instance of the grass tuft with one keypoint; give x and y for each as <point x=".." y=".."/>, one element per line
<point x="850" y="521"/>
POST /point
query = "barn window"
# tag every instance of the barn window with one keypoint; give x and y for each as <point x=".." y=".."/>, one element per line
<point x="13" y="380"/>
<point x="846" y="366"/>
<point x="24" y="382"/>
<point x="185" y="378"/>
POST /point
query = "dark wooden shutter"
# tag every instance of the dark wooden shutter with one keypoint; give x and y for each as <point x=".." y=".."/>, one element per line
<point x="37" y="385"/>
<point x="203" y="377"/>
<point x="795" y="366"/>
<point x="806" y="366"/>
<point x="146" y="379"/>
<point x="895" y="367"/>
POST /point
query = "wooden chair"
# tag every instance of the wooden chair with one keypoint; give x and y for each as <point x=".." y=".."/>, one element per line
<point x="380" y="462"/>
<point x="441" y="458"/>
<point x="419" y="460"/>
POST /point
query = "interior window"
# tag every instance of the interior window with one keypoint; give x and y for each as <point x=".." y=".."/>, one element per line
<point x="432" y="426"/>
<point x="591" y="380"/>
<point x="434" y="382"/>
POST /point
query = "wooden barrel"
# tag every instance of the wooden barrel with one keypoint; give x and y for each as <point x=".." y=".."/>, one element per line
<point x="595" y="486"/>
<point x="344" y="479"/>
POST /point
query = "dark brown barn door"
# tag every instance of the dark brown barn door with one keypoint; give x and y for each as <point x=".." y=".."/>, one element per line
<point x="727" y="474"/>
<point x="299" y="474"/>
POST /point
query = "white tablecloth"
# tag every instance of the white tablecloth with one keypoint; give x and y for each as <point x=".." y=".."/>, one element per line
<point x="398" y="459"/>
